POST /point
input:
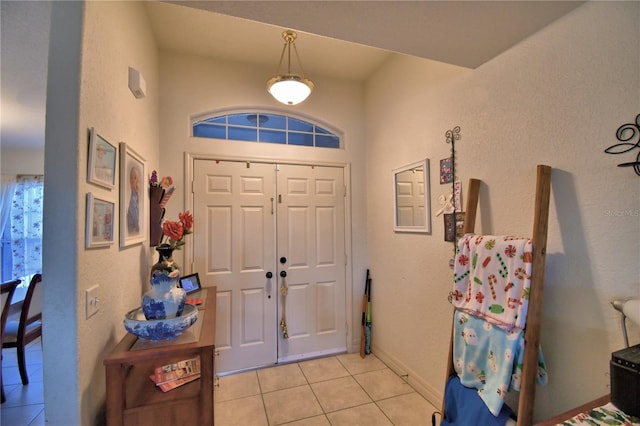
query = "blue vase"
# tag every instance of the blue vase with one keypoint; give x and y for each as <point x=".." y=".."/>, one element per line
<point x="165" y="299"/>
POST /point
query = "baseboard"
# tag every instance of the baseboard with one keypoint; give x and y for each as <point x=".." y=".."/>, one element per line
<point x="430" y="393"/>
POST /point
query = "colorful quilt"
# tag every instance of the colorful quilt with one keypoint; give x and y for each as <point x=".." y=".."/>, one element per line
<point x="492" y="278"/>
<point x="490" y="359"/>
<point x="606" y="415"/>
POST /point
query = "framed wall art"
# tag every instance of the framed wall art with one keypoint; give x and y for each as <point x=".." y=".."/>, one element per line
<point x="102" y="161"/>
<point x="132" y="197"/>
<point x="99" y="222"/>
<point x="445" y="171"/>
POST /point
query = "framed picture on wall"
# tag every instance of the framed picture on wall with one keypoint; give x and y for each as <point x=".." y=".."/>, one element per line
<point x="459" y="218"/>
<point x="449" y="227"/>
<point x="445" y="171"/>
<point x="132" y="197"/>
<point x="99" y="222"/>
<point x="102" y="161"/>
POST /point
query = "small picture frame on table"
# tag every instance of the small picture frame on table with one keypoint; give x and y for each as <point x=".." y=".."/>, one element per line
<point x="190" y="283"/>
<point x="102" y="161"/>
<point x="132" y="197"/>
<point x="99" y="222"/>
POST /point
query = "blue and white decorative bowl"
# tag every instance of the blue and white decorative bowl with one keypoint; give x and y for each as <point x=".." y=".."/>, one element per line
<point x="159" y="329"/>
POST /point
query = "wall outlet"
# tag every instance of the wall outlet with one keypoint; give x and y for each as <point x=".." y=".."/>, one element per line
<point x="92" y="301"/>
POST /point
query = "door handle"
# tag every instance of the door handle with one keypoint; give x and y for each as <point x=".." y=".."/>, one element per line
<point x="283" y="274"/>
<point x="269" y="275"/>
<point x="283" y="260"/>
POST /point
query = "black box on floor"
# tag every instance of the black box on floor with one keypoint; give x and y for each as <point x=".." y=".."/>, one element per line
<point x="625" y="380"/>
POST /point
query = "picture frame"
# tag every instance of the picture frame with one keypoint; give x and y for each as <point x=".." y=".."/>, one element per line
<point x="100" y="220"/>
<point x="133" y="198"/>
<point x="449" y="227"/>
<point x="190" y="283"/>
<point x="446" y="175"/>
<point x="459" y="221"/>
<point x="101" y="163"/>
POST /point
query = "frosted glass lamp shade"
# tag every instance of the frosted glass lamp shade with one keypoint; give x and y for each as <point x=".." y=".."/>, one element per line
<point x="290" y="89"/>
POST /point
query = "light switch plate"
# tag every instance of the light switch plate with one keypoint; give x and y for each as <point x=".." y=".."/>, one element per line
<point x="92" y="300"/>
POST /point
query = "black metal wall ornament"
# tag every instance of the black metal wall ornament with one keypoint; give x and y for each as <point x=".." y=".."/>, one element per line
<point x="629" y="135"/>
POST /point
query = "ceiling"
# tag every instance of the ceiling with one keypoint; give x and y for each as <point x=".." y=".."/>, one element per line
<point x="341" y="39"/>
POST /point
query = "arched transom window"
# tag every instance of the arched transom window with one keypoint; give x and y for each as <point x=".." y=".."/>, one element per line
<point x="265" y="128"/>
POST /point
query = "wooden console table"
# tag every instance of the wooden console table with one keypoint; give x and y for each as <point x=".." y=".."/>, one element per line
<point x="575" y="411"/>
<point x="133" y="399"/>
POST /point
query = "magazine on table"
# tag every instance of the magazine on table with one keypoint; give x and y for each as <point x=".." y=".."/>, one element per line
<point x="167" y="386"/>
<point x="177" y="373"/>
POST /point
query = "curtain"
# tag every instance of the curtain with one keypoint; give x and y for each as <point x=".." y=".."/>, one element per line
<point x="7" y="189"/>
<point x="26" y="226"/>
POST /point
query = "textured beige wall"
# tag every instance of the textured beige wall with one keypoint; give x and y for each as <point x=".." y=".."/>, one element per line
<point x="115" y="35"/>
<point x="21" y="161"/>
<point x="557" y="98"/>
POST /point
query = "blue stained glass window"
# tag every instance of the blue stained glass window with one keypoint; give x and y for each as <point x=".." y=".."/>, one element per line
<point x="203" y="130"/>
<point x="242" y="134"/>
<point x="304" y="139"/>
<point x="218" y="120"/>
<point x="273" y="121"/>
<point x="265" y="128"/>
<point x="327" y="141"/>
<point x="303" y="126"/>
<point x="273" y="136"/>
<point x="242" y="119"/>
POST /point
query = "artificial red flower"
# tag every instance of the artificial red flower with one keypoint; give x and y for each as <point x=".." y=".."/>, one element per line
<point x="187" y="220"/>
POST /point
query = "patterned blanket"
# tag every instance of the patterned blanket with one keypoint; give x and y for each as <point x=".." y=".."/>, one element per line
<point x="490" y="359"/>
<point x="492" y="278"/>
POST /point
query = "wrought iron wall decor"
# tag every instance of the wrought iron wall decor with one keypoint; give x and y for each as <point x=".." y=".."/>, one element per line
<point x="629" y="135"/>
<point x="452" y="136"/>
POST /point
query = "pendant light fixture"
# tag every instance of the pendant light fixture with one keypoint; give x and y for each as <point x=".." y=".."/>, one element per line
<point x="289" y="88"/>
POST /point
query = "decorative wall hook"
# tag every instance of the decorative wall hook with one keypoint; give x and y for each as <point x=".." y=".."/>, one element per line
<point x="629" y="135"/>
<point x="453" y="135"/>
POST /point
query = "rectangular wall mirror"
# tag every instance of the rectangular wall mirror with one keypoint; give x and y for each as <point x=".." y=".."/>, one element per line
<point x="412" y="209"/>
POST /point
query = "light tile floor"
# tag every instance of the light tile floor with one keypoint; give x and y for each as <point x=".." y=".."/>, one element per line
<point x="338" y="390"/>
<point x="25" y="404"/>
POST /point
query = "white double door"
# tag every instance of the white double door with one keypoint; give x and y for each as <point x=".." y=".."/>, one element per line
<point x="262" y="229"/>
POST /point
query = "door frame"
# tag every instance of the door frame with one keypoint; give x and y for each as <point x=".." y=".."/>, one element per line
<point x="190" y="158"/>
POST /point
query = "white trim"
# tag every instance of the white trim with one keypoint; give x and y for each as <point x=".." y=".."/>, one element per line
<point x="431" y="394"/>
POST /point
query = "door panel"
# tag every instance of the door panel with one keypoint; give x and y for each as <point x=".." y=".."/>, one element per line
<point x="249" y="211"/>
<point x="235" y="248"/>
<point x="311" y="238"/>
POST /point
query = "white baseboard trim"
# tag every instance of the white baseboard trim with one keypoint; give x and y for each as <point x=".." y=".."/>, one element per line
<point x="430" y="393"/>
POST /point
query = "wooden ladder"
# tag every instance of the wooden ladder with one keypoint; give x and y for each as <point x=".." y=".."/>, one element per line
<point x="534" y="313"/>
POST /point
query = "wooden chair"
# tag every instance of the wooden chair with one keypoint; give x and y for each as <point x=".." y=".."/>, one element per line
<point x="18" y="334"/>
<point x="6" y="291"/>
